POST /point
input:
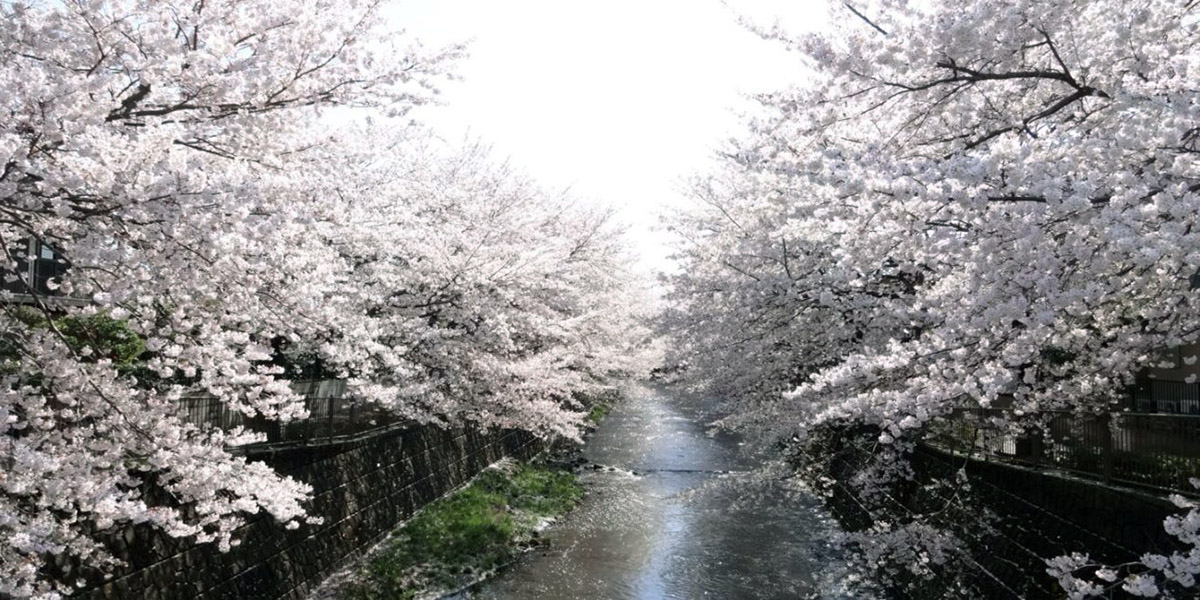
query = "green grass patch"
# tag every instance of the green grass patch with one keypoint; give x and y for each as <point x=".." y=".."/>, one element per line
<point x="599" y="403"/>
<point x="598" y="412"/>
<point x="458" y="539"/>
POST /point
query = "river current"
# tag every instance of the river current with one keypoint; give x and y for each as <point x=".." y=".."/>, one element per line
<point x="675" y="510"/>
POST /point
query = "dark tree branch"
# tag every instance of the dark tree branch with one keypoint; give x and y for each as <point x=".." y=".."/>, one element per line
<point x="864" y="18"/>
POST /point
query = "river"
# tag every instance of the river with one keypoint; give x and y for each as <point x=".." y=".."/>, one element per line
<point x="676" y="511"/>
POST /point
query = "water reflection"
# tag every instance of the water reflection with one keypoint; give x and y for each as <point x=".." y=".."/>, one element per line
<point x="678" y="513"/>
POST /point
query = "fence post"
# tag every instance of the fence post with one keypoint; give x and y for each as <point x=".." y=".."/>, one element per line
<point x="1106" y="447"/>
<point x="329" y="429"/>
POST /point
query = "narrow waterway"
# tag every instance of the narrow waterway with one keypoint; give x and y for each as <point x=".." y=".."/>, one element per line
<point x="675" y="512"/>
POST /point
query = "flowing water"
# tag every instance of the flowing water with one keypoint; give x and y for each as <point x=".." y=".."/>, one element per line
<point x="675" y="511"/>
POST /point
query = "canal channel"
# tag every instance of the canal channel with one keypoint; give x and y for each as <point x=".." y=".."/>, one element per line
<point x="674" y="509"/>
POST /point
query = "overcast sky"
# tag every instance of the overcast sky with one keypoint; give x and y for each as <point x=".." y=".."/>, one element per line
<point x="619" y="100"/>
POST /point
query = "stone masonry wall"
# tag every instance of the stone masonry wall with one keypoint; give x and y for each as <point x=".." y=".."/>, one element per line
<point x="363" y="488"/>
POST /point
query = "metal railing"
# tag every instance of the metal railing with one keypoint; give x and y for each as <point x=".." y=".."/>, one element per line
<point x="331" y="413"/>
<point x="1159" y="451"/>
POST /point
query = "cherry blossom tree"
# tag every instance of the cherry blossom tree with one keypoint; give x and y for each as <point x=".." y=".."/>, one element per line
<point x="473" y="294"/>
<point x="981" y="204"/>
<point x="182" y="156"/>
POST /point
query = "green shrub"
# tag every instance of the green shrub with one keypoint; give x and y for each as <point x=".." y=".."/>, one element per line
<point x="93" y="337"/>
<point x="598" y="412"/>
<point x="103" y="337"/>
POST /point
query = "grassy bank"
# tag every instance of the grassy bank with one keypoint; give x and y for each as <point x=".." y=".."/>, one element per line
<point x="600" y="404"/>
<point x="459" y="539"/>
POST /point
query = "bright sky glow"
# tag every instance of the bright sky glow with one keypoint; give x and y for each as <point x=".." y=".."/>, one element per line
<point x="619" y="101"/>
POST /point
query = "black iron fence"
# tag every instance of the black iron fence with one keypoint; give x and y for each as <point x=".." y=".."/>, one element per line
<point x="1160" y="451"/>
<point x="331" y="413"/>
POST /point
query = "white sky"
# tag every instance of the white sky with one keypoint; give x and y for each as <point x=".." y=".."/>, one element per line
<point x="619" y="101"/>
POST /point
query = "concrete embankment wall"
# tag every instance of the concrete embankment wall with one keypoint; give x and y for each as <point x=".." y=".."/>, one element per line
<point x="1012" y="519"/>
<point x="363" y="488"/>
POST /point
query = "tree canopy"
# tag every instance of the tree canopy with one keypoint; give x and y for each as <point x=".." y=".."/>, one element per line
<point x="969" y="204"/>
<point x="235" y="192"/>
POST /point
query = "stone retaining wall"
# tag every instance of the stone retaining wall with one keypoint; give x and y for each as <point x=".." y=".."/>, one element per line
<point x="363" y="488"/>
<point x="1042" y="514"/>
<point x="1011" y="520"/>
